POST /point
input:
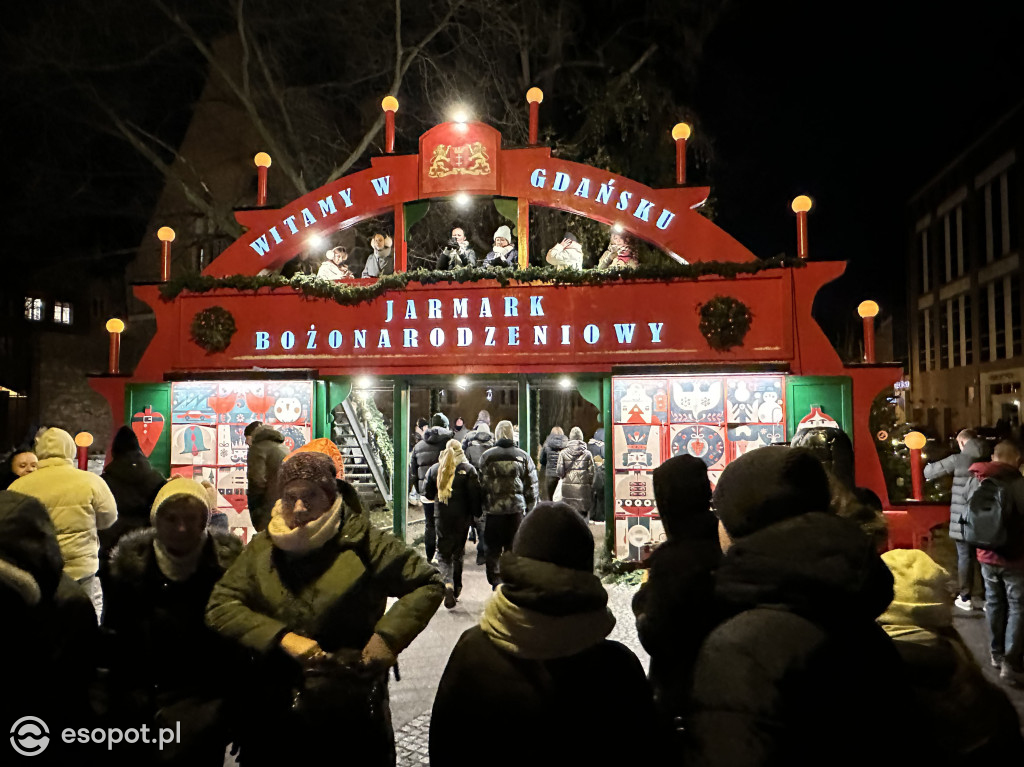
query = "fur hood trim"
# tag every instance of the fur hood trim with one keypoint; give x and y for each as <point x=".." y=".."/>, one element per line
<point x="133" y="552"/>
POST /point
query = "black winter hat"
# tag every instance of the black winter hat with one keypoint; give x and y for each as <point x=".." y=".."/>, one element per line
<point x="768" y="485"/>
<point x="439" y="419"/>
<point x="556" y="533"/>
<point x="125" y="442"/>
<point x="682" y="491"/>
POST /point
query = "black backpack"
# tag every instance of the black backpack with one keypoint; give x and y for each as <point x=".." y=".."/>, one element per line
<point x="993" y="521"/>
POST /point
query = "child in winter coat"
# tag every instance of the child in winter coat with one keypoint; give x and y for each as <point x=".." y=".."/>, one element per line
<point x="567" y="254"/>
<point x="503" y="253"/>
<point x="619" y="254"/>
<point x="335" y="268"/>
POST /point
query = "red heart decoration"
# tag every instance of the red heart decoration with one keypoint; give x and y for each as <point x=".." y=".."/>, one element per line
<point x="148" y="426"/>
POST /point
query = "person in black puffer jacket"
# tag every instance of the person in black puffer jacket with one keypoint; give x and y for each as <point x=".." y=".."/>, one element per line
<point x="50" y="637"/>
<point x="972" y="450"/>
<point x="596" y="443"/>
<point x="167" y="666"/>
<point x="675" y="608"/>
<point x="509" y="481"/>
<point x="478" y="442"/>
<point x="788" y="676"/>
<point x="134" y="484"/>
<point x="540" y="658"/>
<point x="454" y="484"/>
<point x="549" y="461"/>
<point x="425" y="455"/>
<point x="575" y="468"/>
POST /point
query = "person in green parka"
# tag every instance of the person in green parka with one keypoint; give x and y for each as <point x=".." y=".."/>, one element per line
<point x="308" y="597"/>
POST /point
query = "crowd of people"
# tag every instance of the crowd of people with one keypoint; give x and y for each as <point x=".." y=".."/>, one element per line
<point x="778" y="633"/>
<point x="459" y="253"/>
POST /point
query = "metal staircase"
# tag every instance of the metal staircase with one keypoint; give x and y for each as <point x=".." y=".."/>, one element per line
<point x="362" y="467"/>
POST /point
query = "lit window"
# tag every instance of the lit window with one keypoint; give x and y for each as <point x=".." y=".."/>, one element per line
<point x="33" y="309"/>
<point x="62" y="313"/>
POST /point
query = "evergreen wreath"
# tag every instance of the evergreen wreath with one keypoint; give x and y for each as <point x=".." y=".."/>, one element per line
<point x="212" y="329"/>
<point x="347" y="294"/>
<point x="724" y="322"/>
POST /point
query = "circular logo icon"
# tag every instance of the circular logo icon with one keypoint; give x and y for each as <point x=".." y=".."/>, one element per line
<point x="882" y="435"/>
<point x="638" y="535"/>
<point x="30" y="736"/>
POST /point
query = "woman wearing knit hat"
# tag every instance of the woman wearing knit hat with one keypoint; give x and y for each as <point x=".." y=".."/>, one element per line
<point x="540" y="657"/>
<point x="309" y="598"/>
<point x="784" y="678"/>
<point x="454" y="484"/>
<point x="503" y="253"/>
<point x="167" y="665"/>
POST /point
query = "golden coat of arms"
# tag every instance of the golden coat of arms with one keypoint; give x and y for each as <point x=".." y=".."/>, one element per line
<point x="468" y="160"/>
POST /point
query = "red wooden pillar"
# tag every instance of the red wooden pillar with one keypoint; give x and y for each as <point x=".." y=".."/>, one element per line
<point x="680" y="132"/>
<point x="533" y="97"/>
<point x="262" y="160"/>
<point x="915" y="440"/>
<point x="523" y="233"/>
<point x="390" y="105"/>
<point x="166" y="236"/>
<point x="800" y="206"/>
<point x="401" y="250"/>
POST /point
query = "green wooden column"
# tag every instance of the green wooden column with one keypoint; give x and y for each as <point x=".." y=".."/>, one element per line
<point x="322" y="422"/>
<point x="525" y="417"/>
<point x="400" y="475"/>
<point x="609" y="474"/>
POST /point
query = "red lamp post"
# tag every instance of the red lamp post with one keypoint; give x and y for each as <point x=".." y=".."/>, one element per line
<point x="166" y="236"/>
<point x="681" y="132"/>
<point x="915" y="440"/>
<point x="82" y="441"/>
<point x="533" y="97"/>
<point x="390" y="105"/>
<point x="801" y="205"/>
<point x="115" y="327"/>
<point x="262" y="160"/>
<point x="868" y="310"/>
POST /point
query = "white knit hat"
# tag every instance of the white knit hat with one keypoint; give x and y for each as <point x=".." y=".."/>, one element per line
<point x="178" y="486"/>
<point x="503" y="231"/>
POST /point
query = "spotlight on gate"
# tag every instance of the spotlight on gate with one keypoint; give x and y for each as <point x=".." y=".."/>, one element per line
<point x="460" y="116"/>
<point x="618" y="228"/>
<point x="565" y="383"/>
<point x="462" y="382"/>
<point x="316" y="241"/>
<point x="364" y="382"/>
<point x="462" y="200"/>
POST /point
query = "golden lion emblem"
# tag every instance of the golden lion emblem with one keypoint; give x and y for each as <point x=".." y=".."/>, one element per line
<point x="467" y="160"/>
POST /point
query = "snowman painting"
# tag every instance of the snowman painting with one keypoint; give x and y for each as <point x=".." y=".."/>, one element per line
<point x="770" y="409"/>
<point x="288" y="410"/>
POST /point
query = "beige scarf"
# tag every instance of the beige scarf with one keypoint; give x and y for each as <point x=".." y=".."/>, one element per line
<point x="178" y="568"/>
<point x="448" y="462"/>
<point x="532" y="635"/>
<point x="309" y="536"/>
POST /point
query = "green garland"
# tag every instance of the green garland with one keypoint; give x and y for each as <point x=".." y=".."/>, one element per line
<point x="368" y="412"/>
<point x="212" y="329"/>
<point x="724" y="322"/>
<point x="350" y="295"/>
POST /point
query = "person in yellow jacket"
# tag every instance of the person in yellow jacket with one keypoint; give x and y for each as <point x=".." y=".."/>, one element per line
<point x="78" y="502"/>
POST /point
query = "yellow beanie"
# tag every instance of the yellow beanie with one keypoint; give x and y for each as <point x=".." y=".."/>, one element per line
<point x="921" y="595"/>
<point x="176" y="486"/>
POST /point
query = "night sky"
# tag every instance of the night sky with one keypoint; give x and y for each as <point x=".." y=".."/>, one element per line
<point x="858" y="106"/>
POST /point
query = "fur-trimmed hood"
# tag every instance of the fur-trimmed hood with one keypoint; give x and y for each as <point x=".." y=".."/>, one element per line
<point x="134" y="551"/>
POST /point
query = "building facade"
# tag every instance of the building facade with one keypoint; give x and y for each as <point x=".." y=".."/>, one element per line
<point x="964" y="287"/>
